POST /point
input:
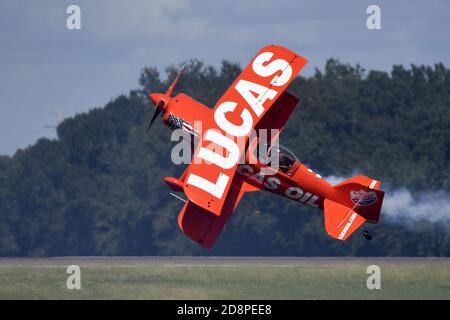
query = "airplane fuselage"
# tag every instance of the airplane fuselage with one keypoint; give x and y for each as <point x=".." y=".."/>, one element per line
<point x="298" y="183"/>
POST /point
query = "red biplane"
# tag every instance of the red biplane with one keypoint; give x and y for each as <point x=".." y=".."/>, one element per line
<point x="215" y="181"/>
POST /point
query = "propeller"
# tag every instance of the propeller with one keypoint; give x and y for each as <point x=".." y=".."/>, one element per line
<point x="161" y="100"/>
<point x="155" y="115"/>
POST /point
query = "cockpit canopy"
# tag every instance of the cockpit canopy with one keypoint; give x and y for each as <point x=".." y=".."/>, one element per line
<point x="286" y="158"/>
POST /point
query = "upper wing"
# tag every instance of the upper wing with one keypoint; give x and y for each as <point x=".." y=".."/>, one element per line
<point x="277" y="116"/>
<point x="225" y="133"/>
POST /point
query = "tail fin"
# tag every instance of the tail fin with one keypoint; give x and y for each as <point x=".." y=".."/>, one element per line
<point x="361" y="193"/>
<point x="359" y="201"/>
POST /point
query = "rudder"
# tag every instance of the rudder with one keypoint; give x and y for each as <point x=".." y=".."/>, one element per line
<point x="362" y="195"/>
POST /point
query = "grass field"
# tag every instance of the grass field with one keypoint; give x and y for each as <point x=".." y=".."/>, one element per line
<point x="224" y="278"/>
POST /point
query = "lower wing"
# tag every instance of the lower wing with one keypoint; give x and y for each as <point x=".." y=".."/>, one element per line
<point x="204" y="227"/>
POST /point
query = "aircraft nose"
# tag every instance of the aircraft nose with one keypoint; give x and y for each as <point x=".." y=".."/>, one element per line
<point x="156" y="98"/>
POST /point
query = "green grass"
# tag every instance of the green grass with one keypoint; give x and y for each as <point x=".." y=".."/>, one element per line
<point x="305" y="279"/>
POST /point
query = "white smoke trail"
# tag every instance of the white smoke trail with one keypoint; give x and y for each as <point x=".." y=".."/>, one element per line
<point x="402" y="204"/>
<point x="334" y="180"/>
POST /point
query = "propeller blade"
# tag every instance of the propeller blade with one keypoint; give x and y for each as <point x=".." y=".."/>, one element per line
<point x="158" y="110"/>
<point x="160" y="105"/>
<point x="172" y="86"/>
<point x="155" y="115"/>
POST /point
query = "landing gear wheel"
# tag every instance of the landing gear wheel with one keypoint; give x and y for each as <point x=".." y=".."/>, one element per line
<point x="367" y="235"/>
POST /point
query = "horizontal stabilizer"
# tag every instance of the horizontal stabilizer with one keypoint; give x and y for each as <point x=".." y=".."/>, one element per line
<point x="340" y="221"/>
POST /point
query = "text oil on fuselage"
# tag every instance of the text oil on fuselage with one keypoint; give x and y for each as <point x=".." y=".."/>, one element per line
<point x="280" y="184"/>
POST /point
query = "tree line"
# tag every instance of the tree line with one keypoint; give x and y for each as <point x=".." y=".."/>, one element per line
<point x="98" y="190"/>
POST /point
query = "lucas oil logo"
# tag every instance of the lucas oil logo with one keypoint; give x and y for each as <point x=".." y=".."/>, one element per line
<point x="362" y="197"/>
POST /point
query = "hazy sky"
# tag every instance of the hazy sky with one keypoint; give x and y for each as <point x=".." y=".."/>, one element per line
<point x="45" y="67"/>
